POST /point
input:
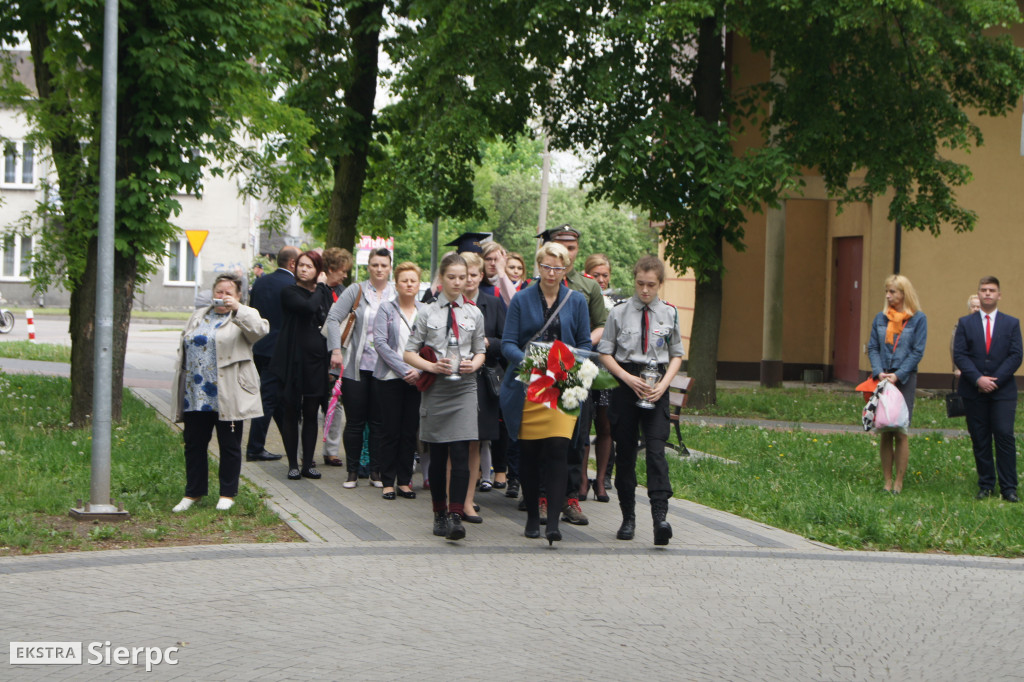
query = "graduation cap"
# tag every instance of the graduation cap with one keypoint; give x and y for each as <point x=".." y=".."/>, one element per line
<point x="470" y="241"/>
<point x="562" y="233"/>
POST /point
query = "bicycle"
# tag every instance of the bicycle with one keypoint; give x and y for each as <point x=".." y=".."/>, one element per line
<point x="6" y="318"/>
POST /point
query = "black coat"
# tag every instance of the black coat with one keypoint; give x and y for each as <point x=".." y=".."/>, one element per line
<point x="265" y="297"/>
<point x="300" y="358"/>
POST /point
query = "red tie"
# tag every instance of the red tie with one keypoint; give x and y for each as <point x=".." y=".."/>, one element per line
<point x="453" y="324"/>
<point x="988" y="333"/>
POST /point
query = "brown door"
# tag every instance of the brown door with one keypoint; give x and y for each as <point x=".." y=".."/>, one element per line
<point x="846" y="342"/>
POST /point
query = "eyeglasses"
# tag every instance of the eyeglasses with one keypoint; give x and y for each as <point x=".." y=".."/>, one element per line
<point x="553" y="268"/>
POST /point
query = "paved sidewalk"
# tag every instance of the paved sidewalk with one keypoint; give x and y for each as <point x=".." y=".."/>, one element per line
<point x="373" y="595"/>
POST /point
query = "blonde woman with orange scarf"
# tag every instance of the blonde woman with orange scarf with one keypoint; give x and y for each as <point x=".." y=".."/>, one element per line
<point x="898" y="336"/>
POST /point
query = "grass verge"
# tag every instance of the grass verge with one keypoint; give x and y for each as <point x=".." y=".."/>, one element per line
<point x="45" y="469"/>
<point x="26" y="350"/>
<point x="832" y="405"/>
<point x="829" y="488"/>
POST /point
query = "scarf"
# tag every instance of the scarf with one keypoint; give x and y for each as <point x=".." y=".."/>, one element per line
<point x="897" y="321"/>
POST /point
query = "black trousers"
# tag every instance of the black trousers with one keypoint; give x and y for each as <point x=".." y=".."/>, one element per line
<point x="270" y="387"/>
<point x="199" y="428"/>
<point x="308" y="414"/>
<point x="992" y="420"/>
<point x="578" y="447"/>
<point x="398" y="405"/>
<point x="360" y="409"/>
<point x="458" y="452"/>
<point x="499" y="450"/>
<point x="627" y="421"/>
<point x="543" y="458"/>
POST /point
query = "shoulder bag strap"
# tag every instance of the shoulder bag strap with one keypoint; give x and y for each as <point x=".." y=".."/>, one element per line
<point x="550" y="319"/>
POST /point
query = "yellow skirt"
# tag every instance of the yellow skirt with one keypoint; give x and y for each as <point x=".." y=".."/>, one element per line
<point x="540" y="421"/>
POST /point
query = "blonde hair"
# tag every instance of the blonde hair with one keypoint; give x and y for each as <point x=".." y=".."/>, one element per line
<point x="556" y="251"/>
<point x="901" y="283"/>
<point x="513" y="255"/>
<point x="596" y="260"/>
<point x="971" y="305"/>
<point x="487" y="247"/>
<point x="405" y="267"/>
<point x="473" y="260"/>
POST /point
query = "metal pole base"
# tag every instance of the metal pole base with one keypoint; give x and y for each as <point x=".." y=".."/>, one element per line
<point x="98" y="512"/>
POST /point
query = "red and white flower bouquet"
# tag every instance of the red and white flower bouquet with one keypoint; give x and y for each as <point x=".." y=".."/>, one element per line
<point x="561" y="377"/>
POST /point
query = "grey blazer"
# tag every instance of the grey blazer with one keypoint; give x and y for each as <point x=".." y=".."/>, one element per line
<point x="339" y="311"/>
<point x="386" y="329"/>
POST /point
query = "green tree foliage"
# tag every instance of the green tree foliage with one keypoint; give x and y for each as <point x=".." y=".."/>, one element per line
<point x="189" y="88"/>
<point x="507" y="188"/>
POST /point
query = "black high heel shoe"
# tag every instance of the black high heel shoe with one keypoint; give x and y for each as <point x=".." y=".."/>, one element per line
<point x="553" y="536"/>
<point x="532" y="530"/>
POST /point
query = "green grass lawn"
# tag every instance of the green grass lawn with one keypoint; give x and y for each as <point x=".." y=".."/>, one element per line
<point x="834" y="405"/>
<point x="829" y="488"/>
<point x="45" y="469"/>
<point x="26" y="350"/>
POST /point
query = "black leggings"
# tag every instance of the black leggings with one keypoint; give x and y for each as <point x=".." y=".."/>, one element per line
<point x="439" y="454"/>
<point x="547" y="457"/>
<point x="360" y="408"/>
<point x="310" y="409"/>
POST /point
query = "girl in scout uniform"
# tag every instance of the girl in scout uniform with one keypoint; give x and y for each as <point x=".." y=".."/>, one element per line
<point x="448" y="408"/>
<point x="641" y="329"/>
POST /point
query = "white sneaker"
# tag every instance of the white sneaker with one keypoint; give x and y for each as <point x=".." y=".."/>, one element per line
<point x="225" y="503"/>
<point x="185" y="504"/>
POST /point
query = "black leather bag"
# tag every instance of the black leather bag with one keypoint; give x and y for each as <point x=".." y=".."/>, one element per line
<point x="492" y="380"/>
<point x="955" y="403"/>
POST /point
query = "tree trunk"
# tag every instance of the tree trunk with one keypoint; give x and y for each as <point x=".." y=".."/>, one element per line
<point x="83" y="335"/>
<point x="707" y="310"/>
<point x="365" y="21"/>
<point x="702" y="366"/>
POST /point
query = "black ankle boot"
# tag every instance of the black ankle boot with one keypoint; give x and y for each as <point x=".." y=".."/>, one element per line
<point x="455" y="529"/>
<point x="440" y="524"/>
<point x="628" y="527"/>
<point x="662" y="529"/>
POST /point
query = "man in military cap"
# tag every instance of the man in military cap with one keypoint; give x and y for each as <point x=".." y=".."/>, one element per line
<point x="569" y="237"/>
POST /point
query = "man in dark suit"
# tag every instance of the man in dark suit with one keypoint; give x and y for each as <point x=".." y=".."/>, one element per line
<point x="988" y="350"/>
<point x="266" y="299"/>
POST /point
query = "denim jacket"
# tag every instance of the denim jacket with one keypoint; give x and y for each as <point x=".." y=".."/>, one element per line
<point x="909" y="350"/>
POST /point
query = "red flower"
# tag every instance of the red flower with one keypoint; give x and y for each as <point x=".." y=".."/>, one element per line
<point x="560" y="360"/>
<point x="542" y="390"/>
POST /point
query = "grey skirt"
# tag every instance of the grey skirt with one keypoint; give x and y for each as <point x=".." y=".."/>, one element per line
<point x="448" y="411"/>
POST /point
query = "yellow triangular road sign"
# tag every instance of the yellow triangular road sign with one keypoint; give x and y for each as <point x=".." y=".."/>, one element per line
<point x="196" y="239"/>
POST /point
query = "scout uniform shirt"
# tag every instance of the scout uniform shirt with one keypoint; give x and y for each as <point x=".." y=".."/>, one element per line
<point x="623" y="333"/>
<point x="589" y="287"/>
<point x="431" y="328"/>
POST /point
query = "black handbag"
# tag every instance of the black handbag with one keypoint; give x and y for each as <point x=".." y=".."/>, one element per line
<point x="955" y="403"/>
<point x="491" y="380"/>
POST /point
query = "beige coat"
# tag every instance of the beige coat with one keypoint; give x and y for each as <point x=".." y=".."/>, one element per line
<point x="238" y="382"/>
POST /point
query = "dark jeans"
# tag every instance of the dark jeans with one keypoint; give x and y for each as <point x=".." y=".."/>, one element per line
<point x="360" y="408"/>
<point x="989" y="420"/>
<point x="627" y="420"/>
<point x="308" y="413"/>
<point x="270" y="387"/>
<point x="545" y="457"/>
<point x="459" y="454"/>
<point x="199" y="428"/>
<point x="398" y="405"/>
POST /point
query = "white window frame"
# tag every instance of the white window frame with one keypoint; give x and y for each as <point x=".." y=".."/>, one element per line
<point x="17" y="261"/>
<point x="183" y="248"/>
<point x="19" y="160"/>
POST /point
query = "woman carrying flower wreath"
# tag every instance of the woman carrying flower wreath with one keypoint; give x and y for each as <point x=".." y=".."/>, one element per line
<point x="547" y="312"/>
<point x="638" y="331"/>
